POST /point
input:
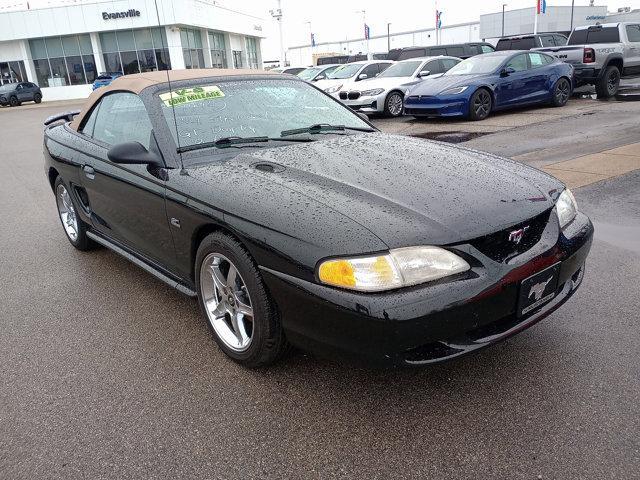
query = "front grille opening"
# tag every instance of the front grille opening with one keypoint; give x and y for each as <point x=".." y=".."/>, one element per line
<point x="430" y="351"/>
<point x="498" y="247"/>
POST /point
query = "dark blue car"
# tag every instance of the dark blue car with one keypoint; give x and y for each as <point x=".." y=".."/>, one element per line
<point x="105" y="79"/>
<point x="494" y="81"/>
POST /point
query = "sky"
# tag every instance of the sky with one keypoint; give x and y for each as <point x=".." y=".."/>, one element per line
<point x="333" y="20"/>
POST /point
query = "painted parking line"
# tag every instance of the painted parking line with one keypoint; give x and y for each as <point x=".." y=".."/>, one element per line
<point x="589" y="169"/>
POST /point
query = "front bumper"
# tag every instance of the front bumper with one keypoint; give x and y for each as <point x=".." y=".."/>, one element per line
<point x="367" y="104"/>
<point x="437" y="321"/>
<point x="436" y="106"/>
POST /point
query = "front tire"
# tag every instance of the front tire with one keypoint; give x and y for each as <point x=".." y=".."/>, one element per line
<point x="74" y="228"/>
<point x="561" y="92"/>
<point x="14" y="102"/>
<point x="393" y="104"/>
<point x="233" y="298"/>
<point x="480" y="105"/>
<point x="37" y="98"/>
<point x="609" y="83"/>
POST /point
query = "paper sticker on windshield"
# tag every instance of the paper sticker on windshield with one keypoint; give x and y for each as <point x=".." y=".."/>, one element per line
<point x="189" y="95"/>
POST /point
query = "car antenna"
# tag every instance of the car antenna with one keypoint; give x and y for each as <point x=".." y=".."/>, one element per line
<point x="173" y="108"/>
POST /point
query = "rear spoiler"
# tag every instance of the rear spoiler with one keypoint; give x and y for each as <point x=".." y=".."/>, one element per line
<point x="66" y="116"/>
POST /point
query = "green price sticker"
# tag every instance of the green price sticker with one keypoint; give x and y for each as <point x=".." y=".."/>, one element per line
<point x="190" y="95"/>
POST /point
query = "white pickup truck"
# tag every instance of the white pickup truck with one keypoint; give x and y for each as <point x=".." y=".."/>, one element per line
<point x="601" y="55"/>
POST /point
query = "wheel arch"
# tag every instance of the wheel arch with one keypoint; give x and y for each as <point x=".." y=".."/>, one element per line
<point x="200" y="233"/>
<point x="614" y="61"/>
<point x="52" y="174"/>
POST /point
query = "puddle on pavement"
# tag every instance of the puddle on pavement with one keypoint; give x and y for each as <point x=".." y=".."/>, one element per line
<point x="450" y="137"/>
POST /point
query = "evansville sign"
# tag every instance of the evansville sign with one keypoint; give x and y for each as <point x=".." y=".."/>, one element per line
<point x="128" y="14"/>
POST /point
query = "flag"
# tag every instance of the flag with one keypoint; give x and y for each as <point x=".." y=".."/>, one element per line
<point x="541" y="6"/>
<point x="439" y="19"/>
<point x="367" y="33"/>
<point x="313" y="40"/>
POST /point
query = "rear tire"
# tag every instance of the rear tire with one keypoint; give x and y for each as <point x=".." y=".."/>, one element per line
<point x="37" y="98"/>
<point x="480" y="105"/>
<point x="561" y="92"/>
<point x="237" y="307"/>
<point x="74" y="228"/>
<point x="14" y="102"/>
<point x="393" y="104"/>
<point x="609" y="83"/>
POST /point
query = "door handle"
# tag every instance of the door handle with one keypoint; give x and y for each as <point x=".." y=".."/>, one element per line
<point x="89" y="172"/>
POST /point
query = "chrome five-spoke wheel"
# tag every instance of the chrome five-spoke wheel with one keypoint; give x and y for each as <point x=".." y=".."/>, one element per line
<point x="227" y="301"/>
<point x="67" y="212"/>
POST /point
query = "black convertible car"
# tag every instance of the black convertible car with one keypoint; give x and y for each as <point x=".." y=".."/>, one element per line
<point x="294" y="221"/>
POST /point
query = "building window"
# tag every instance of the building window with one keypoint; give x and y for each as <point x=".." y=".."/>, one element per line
<point x="252" y="52"/>
<point x="135" y="51"/>
<point x="192" y="48"/>
<point x="218" y="51"/>
<point x="12" y="72"/>
<point x="237" y="59"/>
<point x="61" y="61"/>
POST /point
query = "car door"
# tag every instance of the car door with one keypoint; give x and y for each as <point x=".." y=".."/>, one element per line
<point x="126" y="203"/>
<point x="540" y="72"/>
<point x="632" y="60"/>
<point x="23" y="93"/>
<point x="512" y="87"/>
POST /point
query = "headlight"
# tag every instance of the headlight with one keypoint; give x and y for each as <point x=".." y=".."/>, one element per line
<point x="566" y="208"/>
<point x="333" y="89"/>
<point x="371" y="93"/>
<point x="454" y="90"/>
<point x="400" y="267"/>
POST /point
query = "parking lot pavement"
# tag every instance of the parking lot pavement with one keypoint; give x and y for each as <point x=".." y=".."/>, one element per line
<point x="107" y="373"/>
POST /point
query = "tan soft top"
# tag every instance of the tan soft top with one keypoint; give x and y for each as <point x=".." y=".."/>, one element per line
<point x="139" y="81"/>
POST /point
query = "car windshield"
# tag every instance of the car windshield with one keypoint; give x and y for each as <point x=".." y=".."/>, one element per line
<point x="310" y="73"/>
<point x="477" y="65"/>
<point x="208" y="110"/>
<point x="346" y="71"/>
<point x="402" y="69"/>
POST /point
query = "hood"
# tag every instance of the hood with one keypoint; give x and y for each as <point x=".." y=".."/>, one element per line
<point x="386" y="83"/>
<point x="330" y="82"/>
<point x="433" y="86"/>
<point x="405" y="191"/>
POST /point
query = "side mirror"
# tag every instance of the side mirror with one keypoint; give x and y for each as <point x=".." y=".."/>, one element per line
<point x="424" y="73"/>
<point x="132" y="153"/>
<point x="507" y="71"/>
<point x="362" y="76"/>
<point x="320" y="77"/>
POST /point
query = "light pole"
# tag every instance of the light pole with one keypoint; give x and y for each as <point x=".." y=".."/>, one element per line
<point x="503" y="5"/>
<point x="310" y="39"/>
<point x="277" y="15"/>
<point x="388" y="38"/>
<point x="572" y="5"/>
<point x="364" y="26"/>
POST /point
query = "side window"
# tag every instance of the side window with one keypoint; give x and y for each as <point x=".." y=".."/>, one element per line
<point x="122" y="118"/>
<point x="537" y="60"/>
<point x="547" y="41"/>
<point x="560" y="40"/>
<point x="87" y="128"/>
<point x="434" y="67"/>
<point x="383" y="66"/>
<point x="455" y="51"/>
<point x="633" y="33"/>
<point x="486" y="49"/>
<point x="518" y="63"/>
<point x="370" y="71"/>
<point x="548" y="59"/>
<point x="434" y="52"/>
<point x="449" y="63"/>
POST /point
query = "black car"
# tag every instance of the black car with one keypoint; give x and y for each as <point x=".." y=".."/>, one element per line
<point x="527" y="42"/>
<point x="14" y="94"/>
<point x="459" y="50"/>
<point x="307" y="226"/>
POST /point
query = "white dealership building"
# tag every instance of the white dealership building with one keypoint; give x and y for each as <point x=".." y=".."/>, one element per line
<point x="63" y="48"/>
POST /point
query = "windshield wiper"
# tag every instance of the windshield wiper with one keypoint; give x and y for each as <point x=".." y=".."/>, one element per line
<point x="226" y="142"/>
<point x="322" y="127"/>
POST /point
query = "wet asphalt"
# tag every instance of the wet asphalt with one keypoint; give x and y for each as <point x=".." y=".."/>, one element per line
<point x="107" y="373"/>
